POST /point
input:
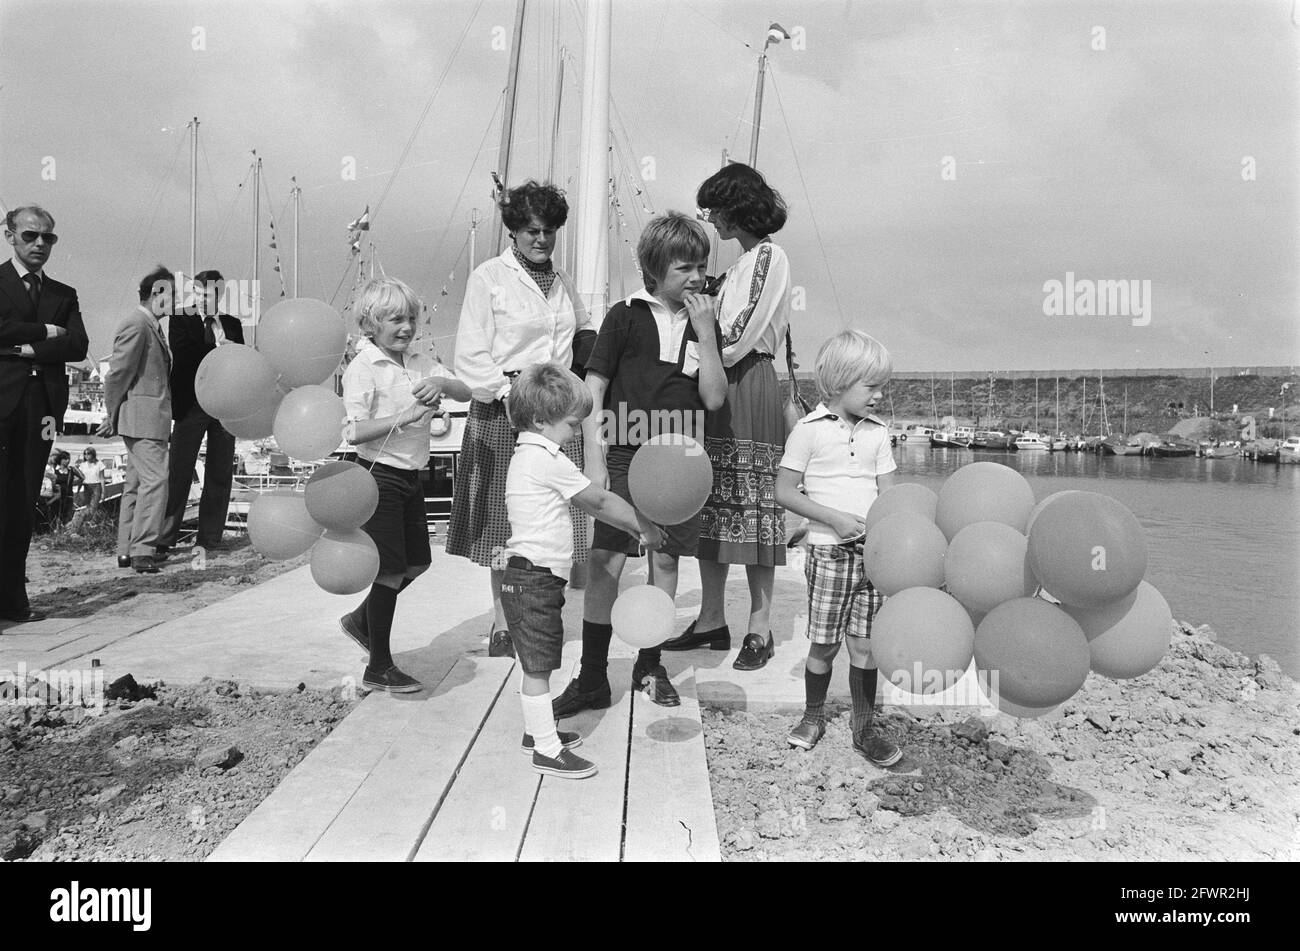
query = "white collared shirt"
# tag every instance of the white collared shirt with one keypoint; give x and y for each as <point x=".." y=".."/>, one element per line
<point x="507" y="325"/>
<point x="839" y="463"/>
<point x="374" y="386"/>
<point x="23" y="270"/>
<point x="672" y="329"/>
<point x="539" y="484"/>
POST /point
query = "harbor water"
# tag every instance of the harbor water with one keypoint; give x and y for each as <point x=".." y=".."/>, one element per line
<point x="1223" y="537"/>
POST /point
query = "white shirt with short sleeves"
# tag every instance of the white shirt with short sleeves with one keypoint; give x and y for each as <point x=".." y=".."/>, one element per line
<point x="539" y="484"/>
<point x="840" y="462"/>
<point x="374" y="386"/>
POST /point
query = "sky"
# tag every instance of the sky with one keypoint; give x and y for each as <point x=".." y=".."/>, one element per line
<point x="943" y="162"/>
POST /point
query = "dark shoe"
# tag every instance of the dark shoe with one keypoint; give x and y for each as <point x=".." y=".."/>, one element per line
<point x="566" y="766"/>
<point x="574" y="700"/>
<point x="209" y="546"/>
<point x="161" y="554"/>
<point x="349" y="627"/>
<point x="23" y="617"/>
<point x="500" y="644"/>
<point x="567" y="740"/>
<point x="755" y="652"/>
<point x="807" y="734"/>
<point x="144" y="565"/>
<point x="392" y="680"/>
<point x="719" y="639"/>
<point x="654" y="681"/>
<point x="876" y="749"/>
<point x="124" y="561"/>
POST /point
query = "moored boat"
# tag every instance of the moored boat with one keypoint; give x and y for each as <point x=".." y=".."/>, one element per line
<point x="1173" y="448"/>
<point x="1128" y="447"/>
<point x="1031" y="442"/>
<point x="1289" y="452"/>
<point x="992" y="439"/>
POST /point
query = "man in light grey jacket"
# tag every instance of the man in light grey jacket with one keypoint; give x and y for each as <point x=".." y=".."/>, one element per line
<point x="138" y="400"/>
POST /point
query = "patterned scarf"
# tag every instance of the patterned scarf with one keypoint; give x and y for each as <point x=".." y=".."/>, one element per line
<point x="542" y="274"/>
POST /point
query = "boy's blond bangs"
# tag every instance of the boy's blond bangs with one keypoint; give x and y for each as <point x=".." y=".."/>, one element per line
<point x="848" y="357"/>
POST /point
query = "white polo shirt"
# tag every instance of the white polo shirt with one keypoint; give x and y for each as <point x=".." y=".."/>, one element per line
<point x="374" y="386"/>
<point x="839" y="462"/>
<point x="539" y="484"/>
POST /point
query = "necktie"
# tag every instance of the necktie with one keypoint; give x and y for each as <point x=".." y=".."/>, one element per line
<point x="209" y="336"/>
<point x="33" y="287"/>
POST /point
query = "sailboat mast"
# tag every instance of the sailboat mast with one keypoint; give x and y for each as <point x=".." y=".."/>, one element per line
<point x="194" y="195"/>
<point x="473" y="239"/>
<point x="555" y="120"/>
<point x="1057" y="380"/>
<point x="592" y="277"/>
<point x="257" y="243"/>
<point x="1035" y="404"/>
<point x="758" y="108"/>
<point x="296" y="193"/>
<point x="508" y="122"/>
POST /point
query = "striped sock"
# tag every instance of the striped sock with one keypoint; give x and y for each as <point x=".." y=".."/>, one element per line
<point x="815" y="687"/>
<point x="862" y="687"/>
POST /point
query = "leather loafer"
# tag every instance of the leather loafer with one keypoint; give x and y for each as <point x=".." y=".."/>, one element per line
<point x="718" y="639"/>
<point x="755" y="652"/>
<point x="124" y="561"/>
<point x="23" y="617"/>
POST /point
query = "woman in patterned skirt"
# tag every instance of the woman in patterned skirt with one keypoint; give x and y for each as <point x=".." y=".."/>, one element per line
<point x="741" y="524"/>
<point x="519" y="310"/>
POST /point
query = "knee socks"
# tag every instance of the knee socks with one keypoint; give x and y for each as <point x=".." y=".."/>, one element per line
<point x="380" y="605"/>
<point x="595" y="655"/>
<point x="540" y="724"/>
<point x="862" y="687"/>
<point x="815" y="687"/>
<point x="358" y="614"/>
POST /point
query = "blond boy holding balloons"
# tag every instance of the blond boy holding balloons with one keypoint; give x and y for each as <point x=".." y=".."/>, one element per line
<point x="840" y="452"/>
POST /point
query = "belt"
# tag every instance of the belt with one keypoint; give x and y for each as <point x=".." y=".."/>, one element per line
<point x="523" y="564"/>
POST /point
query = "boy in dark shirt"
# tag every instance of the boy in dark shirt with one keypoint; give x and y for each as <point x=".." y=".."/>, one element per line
<point x="656" y="367"/>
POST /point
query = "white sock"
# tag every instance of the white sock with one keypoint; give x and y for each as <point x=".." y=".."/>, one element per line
<point x="539" y="721"/>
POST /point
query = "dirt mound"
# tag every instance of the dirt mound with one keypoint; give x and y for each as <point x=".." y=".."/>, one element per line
<point x="1197" y="759"/>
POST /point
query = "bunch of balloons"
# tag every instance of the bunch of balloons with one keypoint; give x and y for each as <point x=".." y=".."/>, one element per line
<point x="1037" y="595"/>
<point x="326" y="517"/>
<point x="670" y="478"/>
<point x="280" y="388"/>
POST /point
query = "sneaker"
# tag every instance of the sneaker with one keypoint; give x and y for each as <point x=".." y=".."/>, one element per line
<point x="391" y="680"/>
<point x="500" y="644"/>
<point x="566" y="766"/>
<point x="876" y="749"/>
<point x="567" y="740"/>
<point x="654" y="681"/>
<point x="348" y="625"/>
<point x="574" y="700"/>
<point x="806" y="734"/>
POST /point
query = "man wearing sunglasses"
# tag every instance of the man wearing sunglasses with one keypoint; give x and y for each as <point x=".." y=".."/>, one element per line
<point x="40" y="331"/>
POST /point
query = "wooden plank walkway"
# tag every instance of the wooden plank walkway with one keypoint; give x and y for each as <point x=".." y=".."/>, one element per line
<point x="440" y="777"/>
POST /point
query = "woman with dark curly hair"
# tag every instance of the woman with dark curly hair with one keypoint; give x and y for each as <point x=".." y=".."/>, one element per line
<point x="741" y="524"/>
<point x="519" y="310"/>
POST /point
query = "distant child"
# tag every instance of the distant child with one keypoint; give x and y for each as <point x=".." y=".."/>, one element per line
<point x="841" y="454"/>
<point x="656" y="366"/>
<point x="548" y="404"/>
<point x="390" y="396"/>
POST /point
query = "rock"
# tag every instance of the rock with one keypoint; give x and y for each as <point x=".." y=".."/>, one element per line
<point x="36" y="822"/>
<point x="109" y="794"/>
<point x="12" y="795"/>
<point x="127" y="743"/>
<point x="223" y="757"/>
<point x="1268" y="674"/>
<point x="884" y="820"/>
<point x="834" y="810"/>
<point x="1000" y="751"/>
<point x="973" y="729"/>
<point x="1176" y="756"/>
<point x="866" y="805"/>
<point x="125" y="688"/>
<point x="1102" y="721"/>
<point x="742" y="840"/>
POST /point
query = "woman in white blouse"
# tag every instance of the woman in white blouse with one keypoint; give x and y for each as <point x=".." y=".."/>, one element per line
<point x="741" y="524"/>
<point x="519" y="310"/>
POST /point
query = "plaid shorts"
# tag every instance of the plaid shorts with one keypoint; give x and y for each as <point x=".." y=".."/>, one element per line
<point x="840" y="598"/>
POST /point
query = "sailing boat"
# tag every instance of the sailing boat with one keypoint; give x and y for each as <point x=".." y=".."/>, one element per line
<point x="959" y="436"/>
<point x="1123" y="445"/>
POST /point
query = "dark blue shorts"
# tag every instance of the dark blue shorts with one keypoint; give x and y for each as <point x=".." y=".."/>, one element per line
<point x="679" y="540"/>
<point x="532" y="598"/>
<point x="399" y="527"/>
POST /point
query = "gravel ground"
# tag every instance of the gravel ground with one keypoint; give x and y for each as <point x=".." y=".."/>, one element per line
<point x="1196" y="760"/>
<point x="157" y="778"/>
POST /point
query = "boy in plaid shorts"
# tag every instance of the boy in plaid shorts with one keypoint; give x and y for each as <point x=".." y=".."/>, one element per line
<point x="841" y="454"/>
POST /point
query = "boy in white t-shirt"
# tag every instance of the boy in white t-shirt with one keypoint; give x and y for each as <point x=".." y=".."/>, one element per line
<point x="841" y="454"/>
<point x="547" y="404"/>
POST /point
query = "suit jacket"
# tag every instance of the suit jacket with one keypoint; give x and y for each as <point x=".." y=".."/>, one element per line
<point x="185" y="331"/>
<point x="136" y="392"/>
<point x="20" y="323"/>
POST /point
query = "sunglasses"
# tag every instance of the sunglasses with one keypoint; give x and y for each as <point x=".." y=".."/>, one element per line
<point x="29" y="237"/>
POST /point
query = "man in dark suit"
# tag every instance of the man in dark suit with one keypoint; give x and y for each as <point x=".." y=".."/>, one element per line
<point x="40" y="331"/>
<point x="138" y="399"/>
<point x="193" y="337"/>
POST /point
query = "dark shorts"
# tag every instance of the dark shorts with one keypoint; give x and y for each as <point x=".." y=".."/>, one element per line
<point x="399" y="527"/>
<point x="532" y="599"/>
<point x="679" y="540"/>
